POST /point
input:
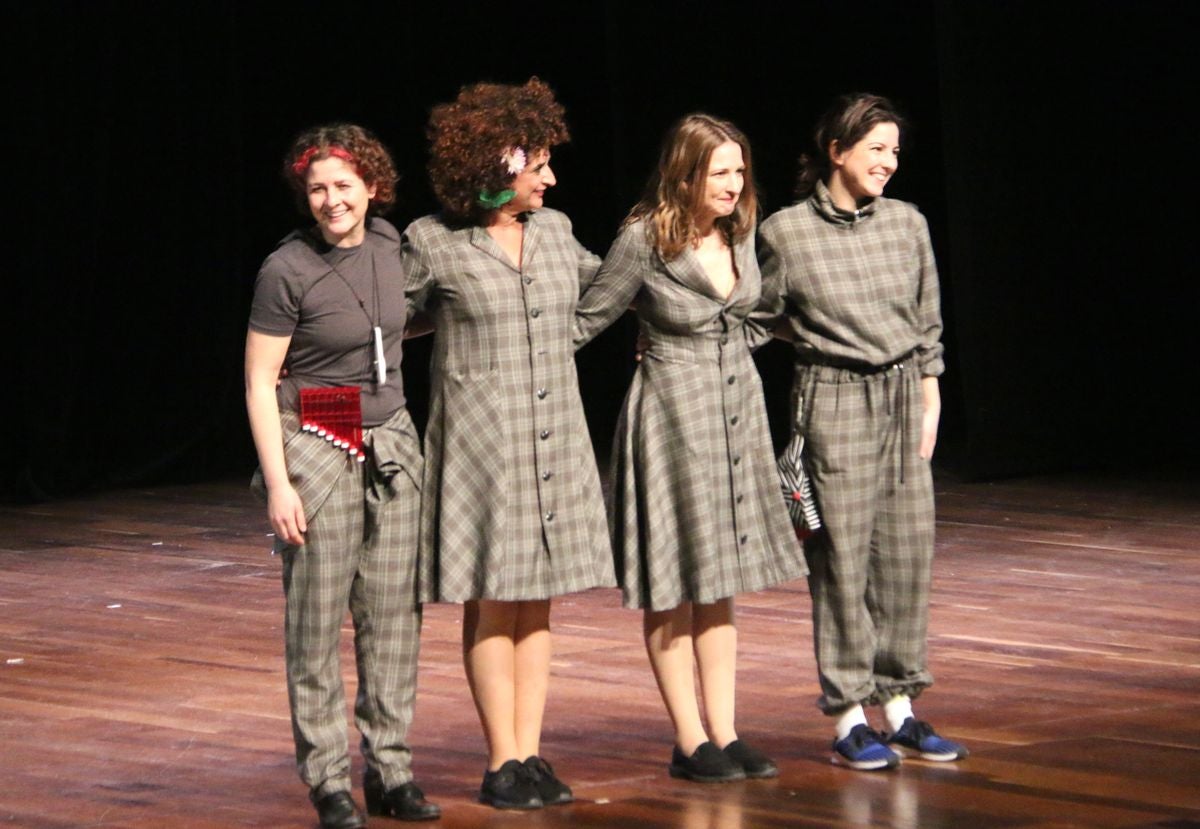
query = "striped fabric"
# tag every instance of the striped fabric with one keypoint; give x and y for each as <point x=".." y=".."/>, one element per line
<point x="512" y="503"/>
<point x="796" y="487"/>
<point x="695" y="508"/>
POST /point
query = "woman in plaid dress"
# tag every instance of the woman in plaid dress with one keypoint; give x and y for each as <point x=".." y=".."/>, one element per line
<point x="329" y="305"/>
<point x="512" y="512"/>
<point x="856" y="274"/>
<point x="696" y="512"/>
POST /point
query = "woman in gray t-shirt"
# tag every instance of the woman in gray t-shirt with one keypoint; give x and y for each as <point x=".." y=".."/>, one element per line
<point x="329" y="306"/>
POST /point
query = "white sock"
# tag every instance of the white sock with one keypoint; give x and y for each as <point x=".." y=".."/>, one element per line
<point x="896" y="710"/>
<point x="849" y="718"/>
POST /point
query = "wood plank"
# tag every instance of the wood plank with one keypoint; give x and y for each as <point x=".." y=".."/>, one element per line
<point x="141" y="677"/>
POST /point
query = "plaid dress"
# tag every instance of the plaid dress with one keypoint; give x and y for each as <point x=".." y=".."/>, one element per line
<point x="695" y="511"/>
<point x="511" y="501"/>
<point x="861" y="296"/>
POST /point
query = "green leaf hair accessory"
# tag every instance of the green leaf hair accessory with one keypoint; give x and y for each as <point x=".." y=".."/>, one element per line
<point x="494" y="200"/>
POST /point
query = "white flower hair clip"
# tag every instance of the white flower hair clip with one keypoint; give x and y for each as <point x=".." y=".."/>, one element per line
<point x="514" y="159"/>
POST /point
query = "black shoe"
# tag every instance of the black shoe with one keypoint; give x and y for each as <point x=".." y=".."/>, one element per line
<point x="550" y="789"/>
<point x="337" y="811"/>
<point x="753" y="762"/>
<point x="708" y="764"/>
<point x="510" y="787"/>
<point x="404" y="802"/>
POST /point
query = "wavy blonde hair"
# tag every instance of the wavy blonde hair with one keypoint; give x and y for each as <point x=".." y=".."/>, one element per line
<point x="676" y="189"/>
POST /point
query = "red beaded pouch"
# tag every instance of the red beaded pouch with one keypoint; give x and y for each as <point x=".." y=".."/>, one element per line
<point x="334" y="414"/>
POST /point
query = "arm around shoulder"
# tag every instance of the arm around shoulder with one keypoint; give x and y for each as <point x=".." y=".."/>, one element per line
<point x="616" y="284"/>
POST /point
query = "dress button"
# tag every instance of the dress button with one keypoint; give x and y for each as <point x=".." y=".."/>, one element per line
<point x="545" y="434"/>
<point x="527" y="279"/>
<point x="547" y="476"/>
<point x="745" y="538"/>
<point x="550" y="515"/>
<point x="724" y="339"/>
<point x="741" y="498"/>
<point x="734" y="420"/>
<point x="535" y="313"/>
<point x="732" y="379"/>
<point x="541" y="393"/>
<point x="737" y="459"/>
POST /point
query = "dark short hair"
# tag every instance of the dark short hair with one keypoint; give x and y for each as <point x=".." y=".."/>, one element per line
<point x="844" y="124"/>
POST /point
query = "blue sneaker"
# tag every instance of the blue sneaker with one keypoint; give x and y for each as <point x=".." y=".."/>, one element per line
<point x="918" y="737"/>
<point x="863" y="749"/>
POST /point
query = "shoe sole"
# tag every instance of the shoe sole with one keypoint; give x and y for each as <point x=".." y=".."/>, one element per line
<point x="865" y="765"/>
<point x="407" y="819"/>
<point x="933" y="757"/>
<point x="682" y="774"/>
<point x="762" y="775"/>
<point x="510" y="805"/>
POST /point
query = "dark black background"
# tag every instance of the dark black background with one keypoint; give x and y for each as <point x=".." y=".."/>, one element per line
<point x="1053" y="153"/>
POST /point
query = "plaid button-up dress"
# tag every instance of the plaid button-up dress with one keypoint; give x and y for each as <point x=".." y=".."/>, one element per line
<point x="695" y="511"/>
<point x="511" y="501"/>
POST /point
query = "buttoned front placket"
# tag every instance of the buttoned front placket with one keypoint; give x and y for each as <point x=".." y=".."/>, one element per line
<point x="732" y="398"/>
<point x="545" y="438"/>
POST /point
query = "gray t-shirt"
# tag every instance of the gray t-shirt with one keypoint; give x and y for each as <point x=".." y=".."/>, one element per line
<point x="328" y="300"/>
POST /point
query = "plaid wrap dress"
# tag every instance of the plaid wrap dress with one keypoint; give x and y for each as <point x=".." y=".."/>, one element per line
<point x="695" y="510"/>
<point x="511" y="502"/>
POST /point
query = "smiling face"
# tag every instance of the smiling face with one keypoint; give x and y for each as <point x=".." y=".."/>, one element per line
<point x="530" y="184"/>
<point x="723" y="184"/>
<point x="863" y="170"/>
<point x="338" y="199"/>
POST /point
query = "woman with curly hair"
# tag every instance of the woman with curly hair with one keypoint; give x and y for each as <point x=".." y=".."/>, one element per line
<point x="329" y="307"/>
<point x="512" y="512"/>
<point x="695" y="510"/>
<point x="855" y="274"/>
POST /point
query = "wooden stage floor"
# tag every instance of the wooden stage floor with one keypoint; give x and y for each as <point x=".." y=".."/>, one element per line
<point x="141" y="678"/>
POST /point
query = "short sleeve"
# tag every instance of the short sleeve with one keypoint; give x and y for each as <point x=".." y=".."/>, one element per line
<point x="276" y="306"/>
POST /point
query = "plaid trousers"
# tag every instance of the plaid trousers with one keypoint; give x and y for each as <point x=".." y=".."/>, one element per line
<point x="359" y="552"/>
<point x="871" y="566"/>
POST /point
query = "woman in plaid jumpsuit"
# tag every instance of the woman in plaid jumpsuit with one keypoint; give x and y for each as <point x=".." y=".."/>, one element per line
<point x="856" y="274"/>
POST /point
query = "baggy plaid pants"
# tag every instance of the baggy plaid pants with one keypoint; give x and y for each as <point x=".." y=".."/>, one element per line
<point x="871" y="566"/>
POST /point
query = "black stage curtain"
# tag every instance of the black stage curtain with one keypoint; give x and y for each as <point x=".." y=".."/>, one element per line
<point x="151" y="137"/>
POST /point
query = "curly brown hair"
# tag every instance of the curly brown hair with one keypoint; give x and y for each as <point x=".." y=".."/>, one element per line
<point x="468" y="136"/>
<point x="675" y="190"/>
<point x="355" y="144"/>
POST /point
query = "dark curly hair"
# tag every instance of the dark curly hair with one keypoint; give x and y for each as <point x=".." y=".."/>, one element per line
<point x="847" y="120"/>
<point x="676" y="189"/>
<point x="351" y="142"/>
<point x="468" y="136"/>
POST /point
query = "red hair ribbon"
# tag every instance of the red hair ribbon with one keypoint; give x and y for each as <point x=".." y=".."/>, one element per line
<point x="300" y="166"/>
